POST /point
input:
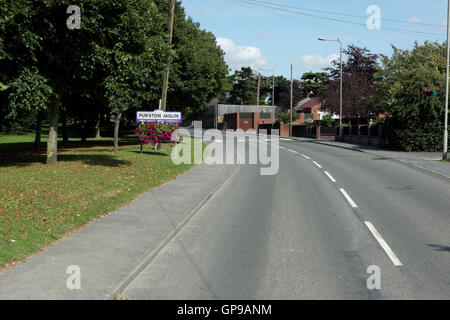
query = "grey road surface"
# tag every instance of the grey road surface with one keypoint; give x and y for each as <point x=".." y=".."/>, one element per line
<point x="311" y="232"/>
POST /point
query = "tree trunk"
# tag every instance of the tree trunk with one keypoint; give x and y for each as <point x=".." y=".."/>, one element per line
<point x="52" y="142"/>
<point x="37" y="137"/>
<point x="97" y="127"/>
<point x="83" y="130"/>
<point x="64" y="124"/>
<point x="116" y="131"/>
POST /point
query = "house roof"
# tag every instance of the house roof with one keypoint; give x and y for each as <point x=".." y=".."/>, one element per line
<point x="307" y="103"/>
<point x="302" y="102"/>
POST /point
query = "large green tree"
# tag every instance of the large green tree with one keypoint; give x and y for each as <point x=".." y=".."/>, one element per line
<point x="415" y="120"/>
<point x="244" y="87"/>
<point x="314" y="83"/>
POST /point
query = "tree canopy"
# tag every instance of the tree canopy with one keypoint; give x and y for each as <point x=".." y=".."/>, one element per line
<point x="358" y="93"/>
<point x="111" y="66"/>
<point x="416" y="119"/>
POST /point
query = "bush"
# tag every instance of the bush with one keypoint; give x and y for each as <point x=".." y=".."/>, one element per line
<point x="151" y="133"/>
<point x="285" y="116"/>
<point x="421" y="136"/>
<point x="327" y="121"/>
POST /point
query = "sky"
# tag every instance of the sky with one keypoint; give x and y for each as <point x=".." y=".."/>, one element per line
<point x="270" y="35"/>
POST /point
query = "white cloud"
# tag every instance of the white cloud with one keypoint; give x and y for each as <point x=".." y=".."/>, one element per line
<point x="241" y="56"/>
<point x="316" y="62"/>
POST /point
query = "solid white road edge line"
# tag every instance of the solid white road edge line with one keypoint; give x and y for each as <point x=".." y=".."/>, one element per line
<point x="352" y="203"/>
<point x="317" y="164"/>
<point x="383" y="244"/>
<point x="330" y="176"/>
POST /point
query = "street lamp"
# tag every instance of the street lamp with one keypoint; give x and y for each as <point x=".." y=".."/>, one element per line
<point x="340" y="91"/>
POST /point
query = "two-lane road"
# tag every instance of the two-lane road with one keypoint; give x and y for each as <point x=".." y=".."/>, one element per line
<point x="311" y="232"/>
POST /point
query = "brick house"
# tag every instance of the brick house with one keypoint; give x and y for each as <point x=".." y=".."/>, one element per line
<point x="244" y="117"/>
<point x="309" y="109"/>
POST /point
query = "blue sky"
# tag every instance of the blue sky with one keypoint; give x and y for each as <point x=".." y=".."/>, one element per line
<point x="266" y="38"/>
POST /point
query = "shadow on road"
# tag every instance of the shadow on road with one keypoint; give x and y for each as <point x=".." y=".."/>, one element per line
<point x="439" y="247"/>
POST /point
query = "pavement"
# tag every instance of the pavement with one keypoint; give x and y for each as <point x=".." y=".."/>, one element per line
<point x="110" y="250"/>
<point x="312" y="231"/>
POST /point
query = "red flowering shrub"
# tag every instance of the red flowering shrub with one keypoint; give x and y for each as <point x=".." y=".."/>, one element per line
<point x="151" y="133"/>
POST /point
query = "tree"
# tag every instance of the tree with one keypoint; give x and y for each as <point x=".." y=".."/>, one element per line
<point x="112" y="66"/>
<point x="358" y="91"/>
<point x="133" y="58"/>
<point x="198" y="71"/>
<point x="244" y="86"/>
<point x="285" y="116"/>
<point x="416" y="121"/>
<point x="314" y="82"/>
<point x="114" y="62"/>
<point x="283" y="92"/>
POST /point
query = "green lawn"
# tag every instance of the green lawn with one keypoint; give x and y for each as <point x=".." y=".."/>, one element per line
<point x="40" y="204"/>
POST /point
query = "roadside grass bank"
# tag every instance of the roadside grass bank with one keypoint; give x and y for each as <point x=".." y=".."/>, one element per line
<point x="40" y="204"/>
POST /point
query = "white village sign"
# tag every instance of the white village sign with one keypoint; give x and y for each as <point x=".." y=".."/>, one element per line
<point x="158" y="116"/>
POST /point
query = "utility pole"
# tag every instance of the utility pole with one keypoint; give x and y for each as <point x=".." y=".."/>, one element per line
<point x="273" y="99"/>
<point x="163" y="101"/>
<point x="169" y="41"/>
<point x="341" y="129"/>
<point x="445" y="153"/>
<point x="257" y="91"/>
<point x="292" y="88"/>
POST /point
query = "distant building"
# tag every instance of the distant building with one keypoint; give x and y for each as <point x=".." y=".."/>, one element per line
<point x="224" y="116"/>
<point x="309" y="110"/>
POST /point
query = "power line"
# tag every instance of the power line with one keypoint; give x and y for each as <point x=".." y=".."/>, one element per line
<point x="350" y="15"/>
<point x="274" y="7"/>
<point x="210" y="19"/>
<point x="314" y="23"/>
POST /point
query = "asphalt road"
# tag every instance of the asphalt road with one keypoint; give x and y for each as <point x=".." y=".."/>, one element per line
<point x="306" y="234"/>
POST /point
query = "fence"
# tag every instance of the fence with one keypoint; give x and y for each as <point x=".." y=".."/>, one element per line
<point x="362" y="134"/>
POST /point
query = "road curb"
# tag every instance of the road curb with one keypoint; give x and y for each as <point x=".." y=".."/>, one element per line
<point x="113" y="291"/>
<point x="342" y="147"/>
<point x="422" y="168"/>
<point x="405" y="162"/>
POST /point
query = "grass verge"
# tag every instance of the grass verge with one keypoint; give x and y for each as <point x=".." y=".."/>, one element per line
<point x="40" y="204"/>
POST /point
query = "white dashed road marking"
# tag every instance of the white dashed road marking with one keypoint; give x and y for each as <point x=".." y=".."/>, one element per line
<point x="306" y="157"/>
<point x="317" y="164"/>
<point x="330" y="176"/>
<point x="383" y="244"/>
<point x="352" y="203"/>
